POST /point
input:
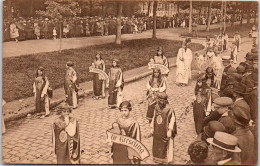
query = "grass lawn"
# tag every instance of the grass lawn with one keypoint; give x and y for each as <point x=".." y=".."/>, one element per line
<point x="243" y="30"/>
<point x="19" y="72"/>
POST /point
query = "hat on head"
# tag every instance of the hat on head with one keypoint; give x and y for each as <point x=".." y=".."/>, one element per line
<point x="212" y="127"/>
<point x="241" y="69"/>
<point x="255" y="56"/>
<point x="228" y="123"/>
<point x="236" y="76"/>
<point x="223" y="101"/>
<point x="231" y="81"/>
<point x="69" y="63"/>
<point x="231" y="70"/>
<point x="239" y="88"/>
<point x="241" y="116"/>
<point x="249" y="56"/>
<point x="224" y="141"/>
<point x="244" y="64"/>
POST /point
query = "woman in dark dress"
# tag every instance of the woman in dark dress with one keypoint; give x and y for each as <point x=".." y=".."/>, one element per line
<point x="98" y="82"/>
<point x="125" y="125"/>
<point x="199" y="106"/>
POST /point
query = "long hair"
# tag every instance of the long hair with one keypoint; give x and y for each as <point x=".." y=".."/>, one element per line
<point x="159" y="77"/>
<point x="42" y="70"/>
<point x="99" y="55"/>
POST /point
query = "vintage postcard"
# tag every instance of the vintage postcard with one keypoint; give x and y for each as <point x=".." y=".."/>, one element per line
<point x="130" y="82"/>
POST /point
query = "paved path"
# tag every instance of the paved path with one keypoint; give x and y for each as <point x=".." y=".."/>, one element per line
<point x="12" y="49"/>
<point x="28" y="141"/>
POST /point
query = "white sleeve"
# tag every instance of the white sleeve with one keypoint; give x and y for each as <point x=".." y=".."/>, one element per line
<point x="34" y="88"/>
<point x="44" y="91"/>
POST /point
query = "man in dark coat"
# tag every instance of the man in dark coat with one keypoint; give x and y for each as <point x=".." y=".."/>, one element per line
<point x="221" y="105"/>
<point x="244" y="135"/>
<point x="238" y="91"/>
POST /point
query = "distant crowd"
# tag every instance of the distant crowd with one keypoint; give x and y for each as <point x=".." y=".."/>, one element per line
<point x="19" y="29"/>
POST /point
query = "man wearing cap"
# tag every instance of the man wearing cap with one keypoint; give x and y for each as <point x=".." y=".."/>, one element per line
<point x="220" y="106"/>
<point x="164" y="130"/>
<point x="244" y="135"/>
<point x="209" y="130"/>
<point x="65" y="138"/>
<point x="225" y="147"/>
<point x="238" y="91"/>
<point x="70" y="86"/>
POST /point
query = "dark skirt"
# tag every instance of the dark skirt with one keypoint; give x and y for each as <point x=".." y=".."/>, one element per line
<point x="97" y="85"/>
<point x="120" y="154"/>
<point x="150" y="112"/>
<point x="112" y="98"/>
<point x="40" y="102"/>
<point x="199" y="115"/>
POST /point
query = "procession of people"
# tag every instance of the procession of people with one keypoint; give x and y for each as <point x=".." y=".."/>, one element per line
<point x="224" y="108"/>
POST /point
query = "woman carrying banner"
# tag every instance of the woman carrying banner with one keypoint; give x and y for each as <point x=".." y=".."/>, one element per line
<point x="183" y="62"/>
<point x="164" y="130"/>
<point x="155" y="84"/>
<point x="127" y="126"/>
<point x="70" y="86"/>
<point x="65" y="138"/>
<point x="40" y="87"/>
<point x="98" y="81"/>
<point x="116" y="85"/>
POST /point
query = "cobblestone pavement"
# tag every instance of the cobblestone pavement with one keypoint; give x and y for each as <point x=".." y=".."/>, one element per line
<point x="31" y="140"/>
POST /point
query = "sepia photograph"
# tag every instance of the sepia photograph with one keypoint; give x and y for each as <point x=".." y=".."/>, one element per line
<point x="122" y="82"/>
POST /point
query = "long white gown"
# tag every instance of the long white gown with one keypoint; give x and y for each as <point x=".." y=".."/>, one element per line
<point x="183" y="62"/>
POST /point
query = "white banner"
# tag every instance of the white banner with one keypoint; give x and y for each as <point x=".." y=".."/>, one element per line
<point x="103" y="74"/>
<point x="133" y="145"/>
<point x="164" y="69"/>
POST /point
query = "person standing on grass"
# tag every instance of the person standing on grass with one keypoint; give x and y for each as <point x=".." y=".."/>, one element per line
<point x="70" y="86"/>
<point x="183" y="62"/>
<point x="40" y="87"/>
<point x="116" y="85"/>
<point x="65" y="138"/>
<point x="98" y="81"/>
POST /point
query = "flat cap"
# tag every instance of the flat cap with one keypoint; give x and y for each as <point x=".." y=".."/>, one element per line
<point x="212" y="127"/>
<point x="69" y="63"/>
<point x="241" y="116"/>
<point x="223" y="101"/>
<point x="254" y="50"/>
<point x="241" y="69"/>
<point x="231" y="70"/>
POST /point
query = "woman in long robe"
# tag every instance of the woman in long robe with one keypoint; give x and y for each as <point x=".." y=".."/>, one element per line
<point x="237" y="40"/>
<point x="70" y="86"/>
<point x="40" y="87"/>
<point x="164" y="130"/>
<point x="116" y="85"/>
<point x="66" y="138"/>
<point x="199" y="107"/>
<point x="183" y="62"/>
<point x="126" y="125"/>
<point x="98" y="81"/>
<point x="160" y="58"/>
<point x="155" y="84"/>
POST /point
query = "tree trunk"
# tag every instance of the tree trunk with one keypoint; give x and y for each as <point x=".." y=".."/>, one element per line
<point x="209" y="16"/>
<point x="91" y="8"/>
<point x="255" y="14"/>
<point x="155" y="4"/>
<point x="225" y="15"/>
<point x="221" y="15"/>
<point x="190" y="17"/>
<point x="118" y="22"/>
<point x="178" y="8"/>
<point x="248" y="13"/>
<point x="60" y="35"/>
<point x="149" y="8"/>
<point x="242" y="14"/>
